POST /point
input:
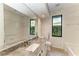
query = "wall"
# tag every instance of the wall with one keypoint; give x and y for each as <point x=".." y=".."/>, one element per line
<point x="70" y="20"/>
<point x="71" y="23"/>
<point x="39" y="27"/>
<point x="15" y="26"/>
<point x="1" y="26"/>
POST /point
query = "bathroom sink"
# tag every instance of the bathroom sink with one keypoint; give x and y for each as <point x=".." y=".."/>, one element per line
<point x="32" y="47"/>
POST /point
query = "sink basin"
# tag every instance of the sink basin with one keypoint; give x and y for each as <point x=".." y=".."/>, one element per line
<point x="32" y="47"/>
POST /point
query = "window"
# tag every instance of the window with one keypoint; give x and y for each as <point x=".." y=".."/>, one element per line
<point x="57" y="26"/>
<point x="32" y="27"/>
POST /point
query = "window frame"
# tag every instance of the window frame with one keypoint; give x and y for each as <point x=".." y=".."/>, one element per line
<point x="52" y="26"/>
<point x="30" y="27"/>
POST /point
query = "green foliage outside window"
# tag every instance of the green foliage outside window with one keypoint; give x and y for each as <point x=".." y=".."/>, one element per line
<point x="57" y="26"/>
<point x="32" y="27"/>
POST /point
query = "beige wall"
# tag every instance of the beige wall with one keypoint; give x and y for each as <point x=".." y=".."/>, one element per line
<point x="39" y="27"/>
<point x="1" y="26"/>
<point x="71" y="23"/>
<point x="14" y="26"/>
<point x="70" y="35"/>
<point x="17" y="26"/>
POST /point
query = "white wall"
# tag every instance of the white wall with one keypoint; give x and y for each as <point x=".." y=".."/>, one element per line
<point x="1" y="26"/>
<point x="70" y="21"/>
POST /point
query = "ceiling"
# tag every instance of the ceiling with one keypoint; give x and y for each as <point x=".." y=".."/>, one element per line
<point x="53" y="6"/>
<point x="34" y="10"/>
